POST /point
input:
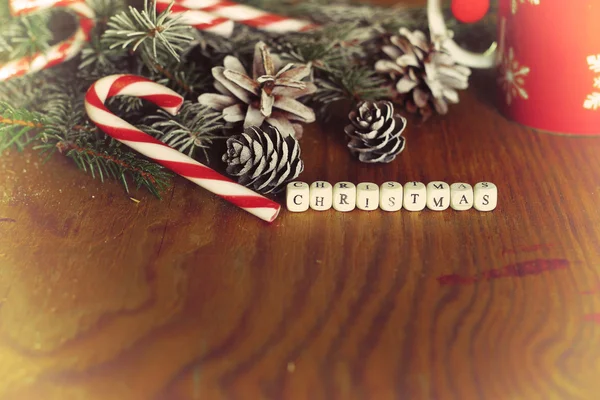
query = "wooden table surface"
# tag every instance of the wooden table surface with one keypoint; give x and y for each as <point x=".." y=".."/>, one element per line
<point x="191" y="298"/>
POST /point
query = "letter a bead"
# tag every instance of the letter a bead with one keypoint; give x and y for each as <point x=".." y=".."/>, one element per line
<point x="461" y="196"/>
<point x="367" y="196"/>
<point x="438" y="196"/>
<point x="415" y="196"/>
<point x="390" y="196"/>
<point x="297" y="196"/>
<point x="344" y="196"/>
<point x="321" y="196"/>
<point x="486" y="196"/>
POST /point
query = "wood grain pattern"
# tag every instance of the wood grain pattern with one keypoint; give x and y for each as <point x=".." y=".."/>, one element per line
<point x="190" y="298"/>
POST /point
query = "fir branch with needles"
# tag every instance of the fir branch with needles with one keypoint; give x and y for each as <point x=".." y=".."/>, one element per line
<point x="194" y="128"/>
<point x="155" y="34"/>
<point x="18" y="127"/>
<point x="25" y="36"/>
<point x="353" y="83"/>
<point x="66" y="130"/>
<point x="105" y="158"/>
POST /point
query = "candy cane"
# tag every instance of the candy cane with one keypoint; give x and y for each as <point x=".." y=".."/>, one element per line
<point x="145" y="144"/>
<point x="58" y="53"/>
<point x="240" y="13"/>
<point x="201" y="20"/>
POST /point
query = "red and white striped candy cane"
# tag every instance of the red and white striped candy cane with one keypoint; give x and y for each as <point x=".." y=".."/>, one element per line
<point x="241" y="13"/>
<point x="168" y="100"/>
<point x="58" y="53"/>
<point x="200" y="20"/>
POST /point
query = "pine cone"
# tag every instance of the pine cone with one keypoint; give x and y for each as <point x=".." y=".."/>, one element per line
<point x="375" y="132"/>
<point x="268" y="96"/>
<point x="264" y="160"/>
<point x="424" y="75"/>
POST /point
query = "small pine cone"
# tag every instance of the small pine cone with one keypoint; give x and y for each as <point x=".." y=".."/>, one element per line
<point x="375" y="132"/>
<point x="263" y="159"/>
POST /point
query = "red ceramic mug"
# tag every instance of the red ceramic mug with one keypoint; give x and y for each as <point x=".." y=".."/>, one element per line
<point x="548" y="60"/>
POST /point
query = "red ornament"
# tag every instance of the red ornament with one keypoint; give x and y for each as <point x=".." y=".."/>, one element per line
<point x="469" y="11"/>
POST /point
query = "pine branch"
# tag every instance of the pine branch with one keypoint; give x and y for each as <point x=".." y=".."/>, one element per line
<point x="66" y="130"/>
<point x="25" y="36"/>
<point x="18" y="127"/>
<point x="354" y="83"/>
<point x="156" y="35"/>
<point x="104" y="9"/>
<point x="195" y="127"/>
<point x="104" y="160"/>
<point x="331" y="47"/>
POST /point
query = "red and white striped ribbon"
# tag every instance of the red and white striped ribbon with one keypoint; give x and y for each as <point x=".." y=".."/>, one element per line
<point x="61" y="51"/>
<point x="168" y="100"/>
<point x="240" y="13"/>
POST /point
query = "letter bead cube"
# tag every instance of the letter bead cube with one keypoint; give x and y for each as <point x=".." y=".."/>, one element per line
<point x="367" y="196"/>
<point x="415" y="196"/>
<point x="390" y="196"/>
<point x="438" y="196"/>
<point x="344" y="196"/>
<point x="321" y="196"/>
<point x="486" y="196"/>
<point x="461" y="196"/>
<point x="297" y="196"/>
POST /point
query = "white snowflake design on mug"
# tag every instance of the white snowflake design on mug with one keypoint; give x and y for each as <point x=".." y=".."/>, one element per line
<point x="592" y="101"/>
<point x="512" y="77"/>
<point x="515" y="4"/>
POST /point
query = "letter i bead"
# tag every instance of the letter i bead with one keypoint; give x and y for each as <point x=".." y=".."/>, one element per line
<point x="344" y="196"/>
<point x="367" y="196"/>
<point x="321" y="196"/>
<point x="297" y="196"/>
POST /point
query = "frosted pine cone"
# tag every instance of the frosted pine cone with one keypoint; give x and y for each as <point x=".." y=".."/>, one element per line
<point x="267" y="95"/>
<point x="263" y="159"/>
<point x="425" y="77"/>
<point x="375" y="132"/>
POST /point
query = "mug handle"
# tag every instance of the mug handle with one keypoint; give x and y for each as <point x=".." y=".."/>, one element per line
<point x="438" y="29"/>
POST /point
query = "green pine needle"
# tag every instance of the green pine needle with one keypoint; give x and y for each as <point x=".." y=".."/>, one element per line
<point x="18" y="127"/>
<point x="155" y="33"/>
<point x="103" y="160"/>
<point x="195" y="127"/>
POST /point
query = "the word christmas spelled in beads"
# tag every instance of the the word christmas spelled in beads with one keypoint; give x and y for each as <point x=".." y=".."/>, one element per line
<point x="391" y="196"/>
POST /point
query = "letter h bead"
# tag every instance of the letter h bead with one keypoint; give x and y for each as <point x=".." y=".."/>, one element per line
<point x="321" y="196"/>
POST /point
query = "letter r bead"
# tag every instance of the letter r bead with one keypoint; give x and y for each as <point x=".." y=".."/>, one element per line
<point x="297" y="196"/>
<point x="344" y="196"/>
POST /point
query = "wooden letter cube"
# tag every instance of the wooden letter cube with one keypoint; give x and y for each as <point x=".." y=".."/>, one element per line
<point x="461" y="196"/>
<point x="486" y="196"/>
<point x="367" y="196"/>
<point x="390" y="196"/>
<point x="415" y="196"/>
<point x="297" y="196"/>
<point x="438" y="196"/>
<point x="321" y="196"/>
<point x="344" y="196"/>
